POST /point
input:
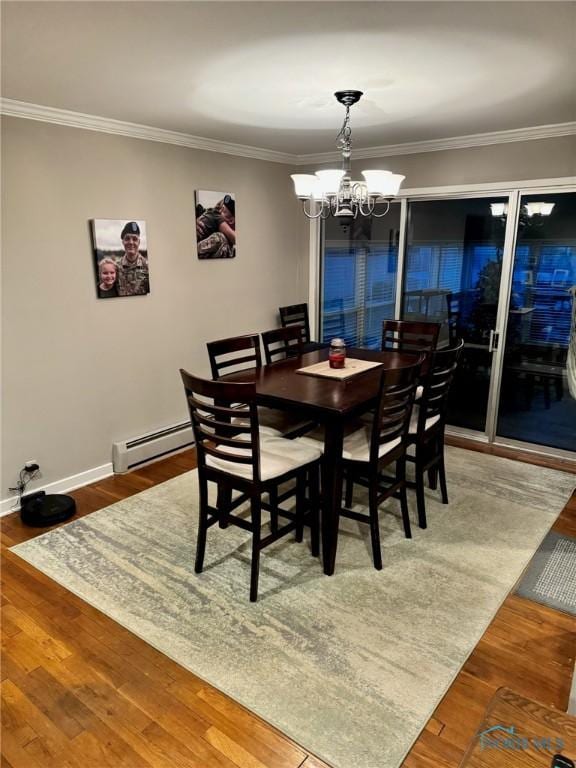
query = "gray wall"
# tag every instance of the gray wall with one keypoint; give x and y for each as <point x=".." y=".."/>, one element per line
<point x="515" y="161"/>
<point x="81" y="372"/>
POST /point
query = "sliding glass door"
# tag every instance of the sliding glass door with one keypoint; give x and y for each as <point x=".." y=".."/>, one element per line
<point x="498" y="271"/>
<point x="358" y="284"/>
<point x="454" y="253"/>
<point x="537" y="394"/>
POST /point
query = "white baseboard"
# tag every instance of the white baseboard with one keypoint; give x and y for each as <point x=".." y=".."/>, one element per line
<point x="62" y="486"/>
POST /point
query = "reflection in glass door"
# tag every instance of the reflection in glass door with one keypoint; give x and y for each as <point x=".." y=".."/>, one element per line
<point x="452" y="276"/>
<point x="535" y="401"/>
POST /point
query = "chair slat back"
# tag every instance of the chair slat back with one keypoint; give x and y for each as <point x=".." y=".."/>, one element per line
<point x="226" y="355"/>
<point x="454" y="315"/>
<point x="394" y="409"/>
<point x="281" y="343"/>
<point x="224" y="418"/>
<point x="437" y="383"/>
<point x="410" y="336"/>
<point x="296" y="314"/>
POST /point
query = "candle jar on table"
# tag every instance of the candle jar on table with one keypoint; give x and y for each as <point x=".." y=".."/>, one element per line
<point x="337" y="353"/>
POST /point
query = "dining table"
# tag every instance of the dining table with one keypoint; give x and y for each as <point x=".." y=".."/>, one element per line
<point x="334" y="404"/>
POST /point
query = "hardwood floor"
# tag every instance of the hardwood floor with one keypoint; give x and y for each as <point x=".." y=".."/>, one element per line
<point x="80" y="691"/>
<point x="517" y="454"/>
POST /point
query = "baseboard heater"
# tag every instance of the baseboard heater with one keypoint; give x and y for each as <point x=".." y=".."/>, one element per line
<point x="128" y="454"/>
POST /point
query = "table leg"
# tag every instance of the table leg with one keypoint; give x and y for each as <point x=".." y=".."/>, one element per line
<point x="331" y="491"/>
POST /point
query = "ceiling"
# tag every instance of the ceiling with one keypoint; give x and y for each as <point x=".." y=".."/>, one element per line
<point x="263" y="73"/>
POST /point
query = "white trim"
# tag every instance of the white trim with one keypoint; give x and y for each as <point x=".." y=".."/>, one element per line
<point x="65" y="117"/>
<point x="457" y="190"/>
<point x="455" y="142"/>
<point x="26" y="110"/>
<point x="62" y="486"/>
<point x="506" y="274"/>
<point x="401" y="259"/>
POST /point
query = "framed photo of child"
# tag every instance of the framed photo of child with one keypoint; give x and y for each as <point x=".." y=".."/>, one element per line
<point x="120" y="258"/>
<point x="215" y="224"/>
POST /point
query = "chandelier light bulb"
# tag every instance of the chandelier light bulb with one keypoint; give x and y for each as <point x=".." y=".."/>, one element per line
<point x="304" y="184"/>
<point x="499" y="209"/>
<point x="539" y="209"/>
<point x="530" y="209"/>
<point x="376" y="181"/>
<point x="330" y="181"/>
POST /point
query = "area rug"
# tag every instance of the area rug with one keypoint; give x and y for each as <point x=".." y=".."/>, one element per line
<point x="550" y="578"/>
<point x="349" y="666"/>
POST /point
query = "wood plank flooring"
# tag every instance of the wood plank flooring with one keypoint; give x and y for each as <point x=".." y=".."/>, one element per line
<point x="80" y="691"/>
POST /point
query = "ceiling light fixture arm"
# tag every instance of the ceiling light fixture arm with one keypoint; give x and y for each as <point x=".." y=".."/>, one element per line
<point x="308" y="211"/>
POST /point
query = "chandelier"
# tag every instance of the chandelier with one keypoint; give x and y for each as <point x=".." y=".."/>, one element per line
<point x="334" y="192"/>
<point x="528" y="209"/>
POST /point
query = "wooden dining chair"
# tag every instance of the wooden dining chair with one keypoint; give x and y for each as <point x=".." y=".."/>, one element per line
<point x="242" y="353"/>
<point x="369" y="450"/>
<point x="426" y="433"/>
<point x="296" y="314"/>
<point x="281" y="343"/>
<point x="233" y="454"/>
<point x="409" y="335"/>
<point x="233" y="354"/>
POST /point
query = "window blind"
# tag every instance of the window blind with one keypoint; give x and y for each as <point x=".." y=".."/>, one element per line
<point x="359" y="289"/>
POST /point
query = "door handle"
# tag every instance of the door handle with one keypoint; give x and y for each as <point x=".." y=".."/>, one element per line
<point x="493" y="342"/>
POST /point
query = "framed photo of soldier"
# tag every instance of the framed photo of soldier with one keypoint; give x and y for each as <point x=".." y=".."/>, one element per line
<point x="121" y="258"/>
<point x="215" y="224"/>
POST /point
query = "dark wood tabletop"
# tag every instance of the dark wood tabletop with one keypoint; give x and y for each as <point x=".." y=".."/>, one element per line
<point x="331" y="402"/>
<point x="278" y="385"/>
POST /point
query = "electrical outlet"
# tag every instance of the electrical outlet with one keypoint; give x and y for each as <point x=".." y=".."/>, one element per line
<point x="31" y="465"/>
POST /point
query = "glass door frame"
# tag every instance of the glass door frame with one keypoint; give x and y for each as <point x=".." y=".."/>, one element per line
<point x="494" y="386"/>
<point x="514" y="191"/>
<point x="502" y="324"/>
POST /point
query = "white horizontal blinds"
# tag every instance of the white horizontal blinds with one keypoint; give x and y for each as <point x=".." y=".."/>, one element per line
<point x="359" y="285"/>
<point x="544" y="272"/>
<point x="339" y="308"/>
<point x="359" y="266"/>
<point x="437" y="273"/>
<point x="381" y="267"/>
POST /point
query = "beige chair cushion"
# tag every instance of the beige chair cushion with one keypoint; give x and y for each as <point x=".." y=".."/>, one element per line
<point x="356" y="446"/>
<point x="282" y="422"/>
<point x="265" y="432"/>
<point x="279" y="422"/>
<point x="414" y="421"/>
<point x="278" y="455"/>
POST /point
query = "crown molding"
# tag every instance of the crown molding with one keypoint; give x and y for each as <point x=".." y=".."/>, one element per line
<point x="455" y="142"/>
<point x="23" y="109"/>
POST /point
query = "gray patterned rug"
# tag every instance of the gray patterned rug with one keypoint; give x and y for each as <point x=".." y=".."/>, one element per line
<point x="550" y="578"/>
<point x="350" y="666"/>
